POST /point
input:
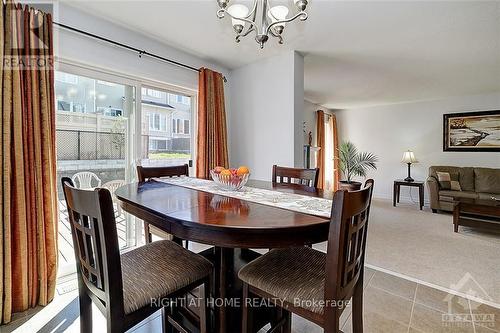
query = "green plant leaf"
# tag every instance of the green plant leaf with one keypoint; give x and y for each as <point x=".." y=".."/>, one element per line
<point x="353" y="163"/>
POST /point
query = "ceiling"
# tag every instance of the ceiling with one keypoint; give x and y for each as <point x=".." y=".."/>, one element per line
<point x="357" y="53"/>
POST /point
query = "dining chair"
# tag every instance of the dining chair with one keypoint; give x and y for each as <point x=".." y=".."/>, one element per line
<point x="312" y="284"/>
<point x="130" y="287"/>
<point x="84" y="179"/>
<point x="285" y="175"/>
<point x="112" y="186"/>
<point x="146" y="173"/>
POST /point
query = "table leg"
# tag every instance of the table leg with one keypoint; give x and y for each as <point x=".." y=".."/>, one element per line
<point x="456" y="216"/>
<point x="421" y="195"/>
<point x="399" y="192"/>
<point x="394" y="191"/>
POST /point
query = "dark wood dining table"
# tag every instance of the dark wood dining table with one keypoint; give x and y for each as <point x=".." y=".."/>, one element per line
<point x="232" y="226"/>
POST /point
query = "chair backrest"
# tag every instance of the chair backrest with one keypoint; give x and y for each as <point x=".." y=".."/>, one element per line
<point x="347" y="242"/>
<point x="83" y="180"/>
<point x="145" y="173"/>
<point x="284" y="175"/>
<point x="95" y="241"/>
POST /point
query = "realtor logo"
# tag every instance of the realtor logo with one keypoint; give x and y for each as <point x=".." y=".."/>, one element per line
<point x="469" y="286"/>
<point x="28" y="35"/>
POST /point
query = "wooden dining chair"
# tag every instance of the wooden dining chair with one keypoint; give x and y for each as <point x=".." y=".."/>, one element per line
<point x="146" y="173"/>
<point x="284" y="175"/>
<point x="312" y="284"/>
<point x="127" y="288"/>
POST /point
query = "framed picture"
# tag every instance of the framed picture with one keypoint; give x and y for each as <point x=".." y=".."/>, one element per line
<point x="472" y="131"/>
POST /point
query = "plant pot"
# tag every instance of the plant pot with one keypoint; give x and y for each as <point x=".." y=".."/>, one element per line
<point x="350" y="186"/>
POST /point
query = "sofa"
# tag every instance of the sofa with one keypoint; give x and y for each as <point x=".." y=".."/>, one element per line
<point x="475" y="183"/>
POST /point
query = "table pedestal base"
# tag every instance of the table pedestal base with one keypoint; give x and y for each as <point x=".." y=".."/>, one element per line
<point x="228" y="290"/>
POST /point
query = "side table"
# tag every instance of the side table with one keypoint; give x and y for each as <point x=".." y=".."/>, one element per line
<point x="397" y="189"/>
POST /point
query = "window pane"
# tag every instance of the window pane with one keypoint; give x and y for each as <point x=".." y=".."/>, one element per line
<point x="170" y="133"/>
<point x="91" y="133"/>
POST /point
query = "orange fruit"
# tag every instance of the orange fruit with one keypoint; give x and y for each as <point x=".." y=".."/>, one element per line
<point x="225" y="173"/>
<point x="242" y="170"/>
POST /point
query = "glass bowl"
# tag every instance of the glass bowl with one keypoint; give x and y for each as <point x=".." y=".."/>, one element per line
<point x="229" y="183"/>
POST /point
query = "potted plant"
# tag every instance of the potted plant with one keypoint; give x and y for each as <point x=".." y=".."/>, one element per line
<point x="354" y="164"/>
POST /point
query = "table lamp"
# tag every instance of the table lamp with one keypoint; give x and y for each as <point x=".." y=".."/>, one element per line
<point x="409" y="158"/>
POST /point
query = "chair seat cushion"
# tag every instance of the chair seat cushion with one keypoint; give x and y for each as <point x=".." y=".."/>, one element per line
<point x="295" y="275"/>
<point x="159" y="269"/>
<point x="488" y="196"/>
<point x="449" y="195"/>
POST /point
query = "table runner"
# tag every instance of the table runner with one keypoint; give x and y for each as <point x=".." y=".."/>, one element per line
<point x="295" y="202"/>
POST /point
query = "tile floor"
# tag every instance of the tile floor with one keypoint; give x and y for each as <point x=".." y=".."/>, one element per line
<point x="391" y="304"/>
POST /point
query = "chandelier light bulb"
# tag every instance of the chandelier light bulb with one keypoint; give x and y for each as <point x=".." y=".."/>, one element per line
<point x="240" y="11"/>
<point x="222" y="3"/>
<point x="301" y="4"/>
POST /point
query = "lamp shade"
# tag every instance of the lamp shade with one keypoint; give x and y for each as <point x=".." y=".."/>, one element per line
<point x="409" y="157"/>
<point x="277" y="13"/>
<point x="238" y="11"/>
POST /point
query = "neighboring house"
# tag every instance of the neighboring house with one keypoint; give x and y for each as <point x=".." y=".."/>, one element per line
<point x="166" y="121"/>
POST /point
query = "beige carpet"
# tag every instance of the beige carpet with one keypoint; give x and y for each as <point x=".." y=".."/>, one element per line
<point x="423" y="246"/>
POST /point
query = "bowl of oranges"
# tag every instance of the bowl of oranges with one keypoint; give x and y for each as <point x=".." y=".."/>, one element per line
<point x="230" y="179"/>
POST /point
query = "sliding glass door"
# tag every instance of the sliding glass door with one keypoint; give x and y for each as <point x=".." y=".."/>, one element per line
<point x="106" y="125"/>
<point x="93" y="135"/>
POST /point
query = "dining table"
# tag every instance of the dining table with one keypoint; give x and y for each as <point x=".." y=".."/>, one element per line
<point x="233" y="227"/>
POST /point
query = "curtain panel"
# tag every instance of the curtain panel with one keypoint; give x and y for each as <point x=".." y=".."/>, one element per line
<point x="212" y="132"/>
<point x="333" y="144"/>
<point x="28" y="206"/>
<point x="320" y="142"/>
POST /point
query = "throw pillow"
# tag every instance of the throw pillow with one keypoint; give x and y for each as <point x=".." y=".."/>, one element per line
<point x="448" y="181"/>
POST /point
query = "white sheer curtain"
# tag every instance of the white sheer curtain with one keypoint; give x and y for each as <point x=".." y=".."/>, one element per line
<point x="329" y="153"/>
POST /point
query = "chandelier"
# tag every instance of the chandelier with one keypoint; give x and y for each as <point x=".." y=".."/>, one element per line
<point x="262" y="18"/>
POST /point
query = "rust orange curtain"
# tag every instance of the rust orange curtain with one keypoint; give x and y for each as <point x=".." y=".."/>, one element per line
<point x="212" y="132"/>
<point x="28" y="206"/>
<point x="320" y="142"/>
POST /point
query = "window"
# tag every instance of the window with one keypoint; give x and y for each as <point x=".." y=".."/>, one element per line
<point x="92" y="135"/>
<point x="165" y="123"/>
<point x="154" y="121"/>
<point x="157" y="144"/>
<point x="66" y="78"/>
<point x="112" y="112"/>
<point x="106" y="83"/>
<point x="155" y="93"/>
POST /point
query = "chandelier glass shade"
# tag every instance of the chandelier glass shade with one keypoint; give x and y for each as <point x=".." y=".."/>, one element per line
<point x="263" y="19"/>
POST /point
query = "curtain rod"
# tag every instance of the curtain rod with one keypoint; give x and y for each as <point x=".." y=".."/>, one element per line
<point x="128" y="47"/>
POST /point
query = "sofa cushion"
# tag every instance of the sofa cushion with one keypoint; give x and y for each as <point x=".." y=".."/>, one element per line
<point x="448" y="181"/>
<point x="465" y="175"/>
<point x="488" y="196"/>
<point x="487" y="180"/>
<point x="447" y="195"/>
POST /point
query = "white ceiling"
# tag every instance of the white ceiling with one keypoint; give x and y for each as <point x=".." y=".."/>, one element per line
<point x="358" y="53"/>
